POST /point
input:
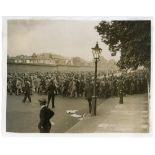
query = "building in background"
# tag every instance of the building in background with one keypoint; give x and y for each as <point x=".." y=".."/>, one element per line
<point x="44" y="58"/>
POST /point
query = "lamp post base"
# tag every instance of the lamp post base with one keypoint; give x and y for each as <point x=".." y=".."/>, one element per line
<point x="93" y="110"/>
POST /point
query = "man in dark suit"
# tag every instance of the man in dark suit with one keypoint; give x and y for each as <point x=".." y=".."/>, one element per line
<point x="45" y="115"/>
<point x="89" y="94"/>
<point x="120" y="90"/>
<point x="51" y="91"/>
<point x="27" y="91"/>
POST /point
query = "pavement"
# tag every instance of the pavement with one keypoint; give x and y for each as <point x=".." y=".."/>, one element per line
<point x="24" y="117"/>
<point x="130" y="117"/>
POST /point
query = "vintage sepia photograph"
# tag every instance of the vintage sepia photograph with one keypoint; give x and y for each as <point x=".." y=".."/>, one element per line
<point x="78" y="75"/>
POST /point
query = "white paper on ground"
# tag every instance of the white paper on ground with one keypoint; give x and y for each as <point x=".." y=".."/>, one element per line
<point x="76" y="115"/>
<point x="71" y="111"/>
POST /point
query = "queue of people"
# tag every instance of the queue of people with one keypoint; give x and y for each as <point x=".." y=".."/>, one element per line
<point x="73" y="84"/>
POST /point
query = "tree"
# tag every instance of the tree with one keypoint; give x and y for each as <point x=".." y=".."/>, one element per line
<point x="131" y="38"/>
<point x="77" y="61"/>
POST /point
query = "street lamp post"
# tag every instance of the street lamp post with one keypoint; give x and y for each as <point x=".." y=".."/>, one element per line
<point x="96" y="54"/>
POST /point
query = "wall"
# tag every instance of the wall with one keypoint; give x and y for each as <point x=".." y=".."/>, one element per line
<point x="24" y="68"/>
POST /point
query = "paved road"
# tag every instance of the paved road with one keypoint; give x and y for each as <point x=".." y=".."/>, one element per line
<point x="24" y="117"/>
<point x="132" y="116"/>
<point x="112" y="117"/>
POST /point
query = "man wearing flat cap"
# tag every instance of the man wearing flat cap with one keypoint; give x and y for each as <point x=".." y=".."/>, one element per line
<point x="45" y="115"/>
<point x="27" y="91"/>
<point x="89" y="94"/>
<point x="51" y="93"/>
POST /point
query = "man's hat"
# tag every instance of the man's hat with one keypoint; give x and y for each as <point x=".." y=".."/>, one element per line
<point x="42" y="101"/>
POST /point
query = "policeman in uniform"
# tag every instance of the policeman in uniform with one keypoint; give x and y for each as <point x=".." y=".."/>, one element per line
<point x="120" y="90"/>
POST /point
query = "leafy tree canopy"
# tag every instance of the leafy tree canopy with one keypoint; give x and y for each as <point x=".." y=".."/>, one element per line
<point x="131" y="38"/>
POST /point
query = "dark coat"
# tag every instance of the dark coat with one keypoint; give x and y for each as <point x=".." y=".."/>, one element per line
<point x="89" y="91"/>
<point x="51" y="89"/>
<point x="27" y="88"/>
<point x="45" y="115"/>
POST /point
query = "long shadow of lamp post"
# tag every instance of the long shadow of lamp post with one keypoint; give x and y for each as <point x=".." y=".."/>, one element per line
<point x="96" y="54"/>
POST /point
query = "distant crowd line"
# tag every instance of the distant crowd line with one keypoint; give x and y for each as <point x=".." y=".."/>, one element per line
<point x="74" y="84"/>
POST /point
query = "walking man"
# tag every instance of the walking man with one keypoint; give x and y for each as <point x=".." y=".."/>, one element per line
<point x="51" y="93"/>
<point x="27" y="91"/>
<point x="89" y="94"/>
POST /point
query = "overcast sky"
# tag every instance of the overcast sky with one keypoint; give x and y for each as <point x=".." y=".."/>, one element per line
<point x="68" y="38"/>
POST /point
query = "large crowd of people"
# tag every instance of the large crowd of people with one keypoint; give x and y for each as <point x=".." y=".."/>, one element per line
<point x="73" y="84"/>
